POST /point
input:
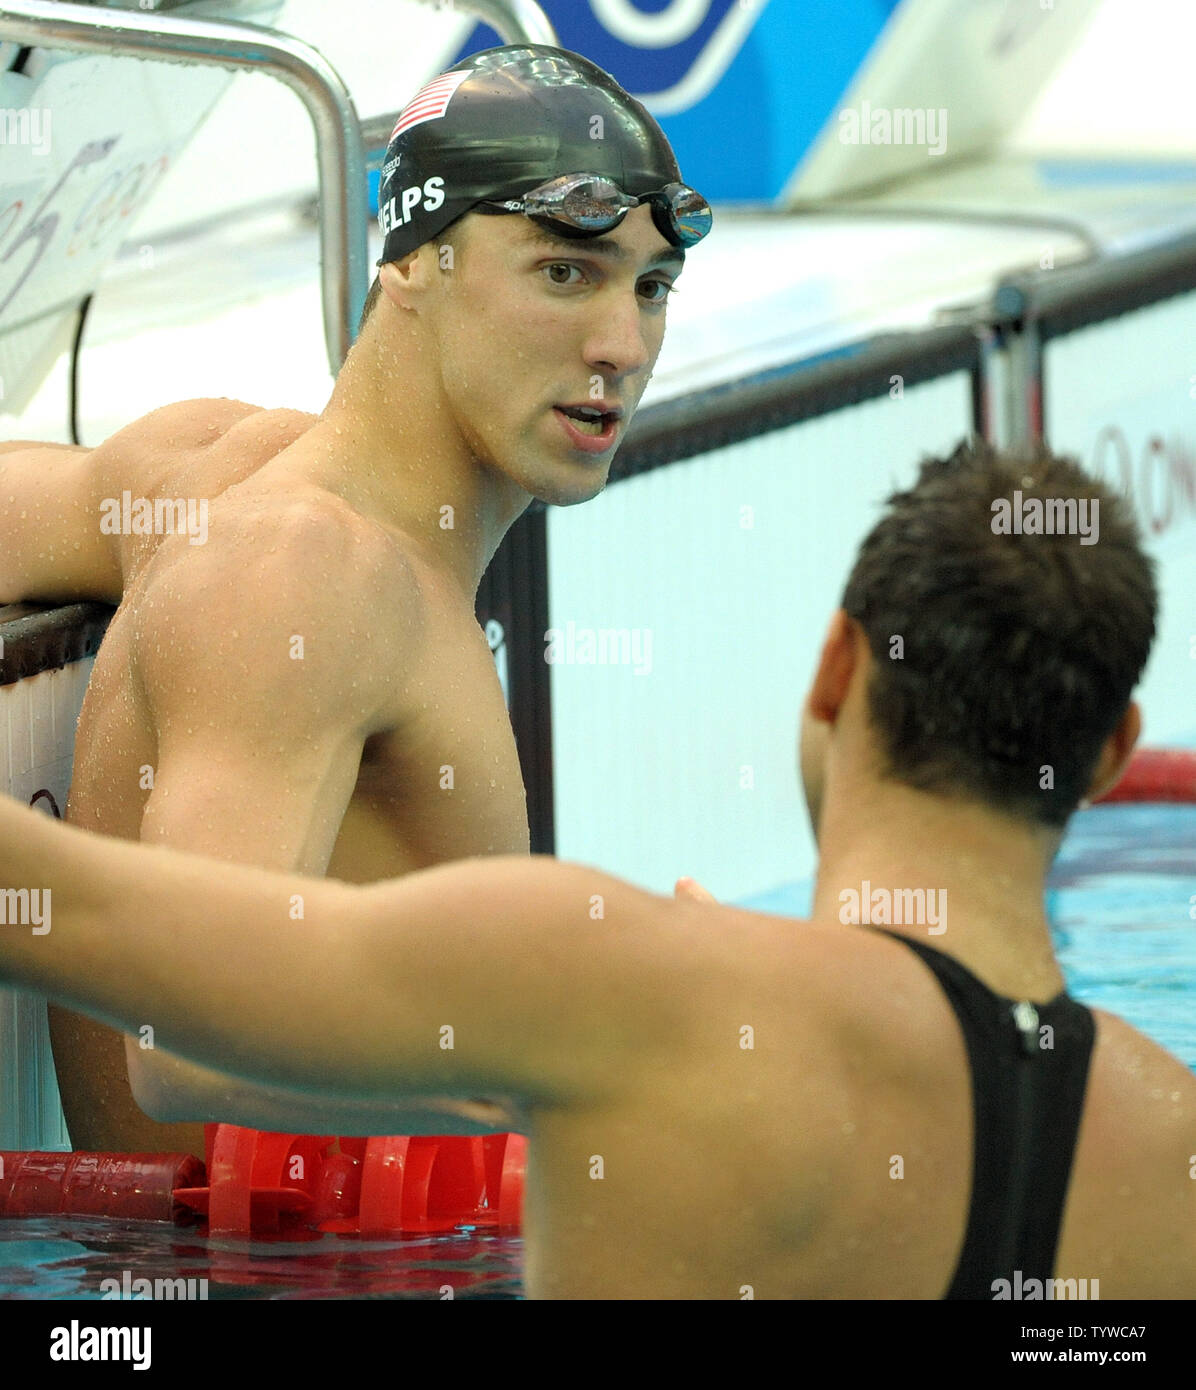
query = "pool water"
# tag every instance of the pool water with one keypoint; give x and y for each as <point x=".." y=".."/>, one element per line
<point x="70" y="1257"/>
<point x="1122" y="903"/>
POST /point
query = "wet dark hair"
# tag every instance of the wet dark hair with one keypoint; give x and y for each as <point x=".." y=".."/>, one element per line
<point x="371" y="299"/>
<point x="1021" y="652"/>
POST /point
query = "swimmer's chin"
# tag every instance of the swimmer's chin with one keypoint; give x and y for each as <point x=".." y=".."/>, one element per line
<point x="570" y="484"/>
<point x="562" y="497"/>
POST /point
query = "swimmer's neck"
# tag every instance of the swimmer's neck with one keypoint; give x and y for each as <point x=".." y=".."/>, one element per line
<point x="384" y="444"/>
<point x="987" y="873"/>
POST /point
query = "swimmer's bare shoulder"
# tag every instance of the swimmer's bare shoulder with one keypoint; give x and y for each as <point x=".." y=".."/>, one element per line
<point x="861" y="1036"/>
<point x="51" y="547"/>
<point x="1131" y="1215"/>
<point x="265" y="658"/>
<point x="305" y="566"/>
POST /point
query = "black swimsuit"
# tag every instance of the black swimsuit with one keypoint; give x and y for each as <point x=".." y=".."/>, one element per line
<point x="1028" y="1097"/>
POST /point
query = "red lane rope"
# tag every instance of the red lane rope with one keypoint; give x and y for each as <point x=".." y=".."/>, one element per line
<point x="1157" y="774"/>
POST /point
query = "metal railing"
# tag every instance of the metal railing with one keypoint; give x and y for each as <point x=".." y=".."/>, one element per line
<point x="244" y="47"/>
<point x="1031" y="308"/>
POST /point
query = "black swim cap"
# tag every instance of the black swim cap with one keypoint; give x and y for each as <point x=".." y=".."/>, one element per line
<point x="501" y="123"/>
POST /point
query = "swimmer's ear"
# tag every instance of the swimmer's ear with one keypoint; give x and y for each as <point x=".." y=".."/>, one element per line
<point x="403" y="281"/>
<point x="840" y="655"/>
<point x="1116" y="753"/>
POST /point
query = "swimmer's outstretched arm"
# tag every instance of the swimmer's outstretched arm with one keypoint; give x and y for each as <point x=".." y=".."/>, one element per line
<point x="517" y="979"/>
<point x="51" y="546"/>
<point x="53" y="498"/>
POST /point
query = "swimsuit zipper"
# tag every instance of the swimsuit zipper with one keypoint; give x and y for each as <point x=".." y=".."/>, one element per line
<point x="1025" y="1020"/>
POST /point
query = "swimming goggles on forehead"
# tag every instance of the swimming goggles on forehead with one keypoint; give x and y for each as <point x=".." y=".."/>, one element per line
<point x="589" y="204"/>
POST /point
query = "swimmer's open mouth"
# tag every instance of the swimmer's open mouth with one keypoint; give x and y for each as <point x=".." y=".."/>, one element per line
<point x="592" y="420"/>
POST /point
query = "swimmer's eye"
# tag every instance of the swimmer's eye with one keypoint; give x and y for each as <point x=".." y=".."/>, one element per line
<point x="566" y="266"/>
<point x="666" y="287"/>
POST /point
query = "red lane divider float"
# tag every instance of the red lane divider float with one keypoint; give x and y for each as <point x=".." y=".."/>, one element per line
<point x="1157" y="774"/>
<point x="261" y="1184"/>
<point x="269" y="1184"/>
<point x="137" y="1187"/>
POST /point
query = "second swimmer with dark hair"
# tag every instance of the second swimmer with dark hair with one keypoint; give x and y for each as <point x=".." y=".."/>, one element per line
<point x="535" y="221"/>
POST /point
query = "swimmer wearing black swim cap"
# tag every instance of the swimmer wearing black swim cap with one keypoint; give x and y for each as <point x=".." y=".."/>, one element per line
<point x="522" y="343"/>
<point x="536" y="130"/>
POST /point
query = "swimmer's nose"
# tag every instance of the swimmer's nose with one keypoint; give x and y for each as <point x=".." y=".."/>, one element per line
<point x="619" y="343"/>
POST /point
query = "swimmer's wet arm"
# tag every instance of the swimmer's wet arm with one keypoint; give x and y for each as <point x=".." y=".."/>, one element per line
<point x="105" y="950"/>
<point x="51" y="547"/>
<point x="53" y="498"/>
<point x="183" y="1090"/>
<point x="259" y="697"/>
<point x="258" y="751"/>
<point x="485" y="978"/>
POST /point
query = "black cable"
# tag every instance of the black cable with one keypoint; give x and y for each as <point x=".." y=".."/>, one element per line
<point x="75" y="346"/>
<point x="23" y="55"/>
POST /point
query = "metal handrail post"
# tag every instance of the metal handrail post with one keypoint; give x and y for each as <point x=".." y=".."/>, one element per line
<point x="240" y="46"/>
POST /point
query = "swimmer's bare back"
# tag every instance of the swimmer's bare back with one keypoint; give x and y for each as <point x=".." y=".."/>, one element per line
<point x="301" y="690"/>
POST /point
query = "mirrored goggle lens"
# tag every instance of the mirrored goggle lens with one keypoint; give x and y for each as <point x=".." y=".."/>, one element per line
<point x="588" y="204"/>
<point x="690" y="213"/>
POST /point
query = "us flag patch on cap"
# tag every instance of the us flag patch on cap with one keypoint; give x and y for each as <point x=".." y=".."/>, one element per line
<point x="430" y="102"/>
